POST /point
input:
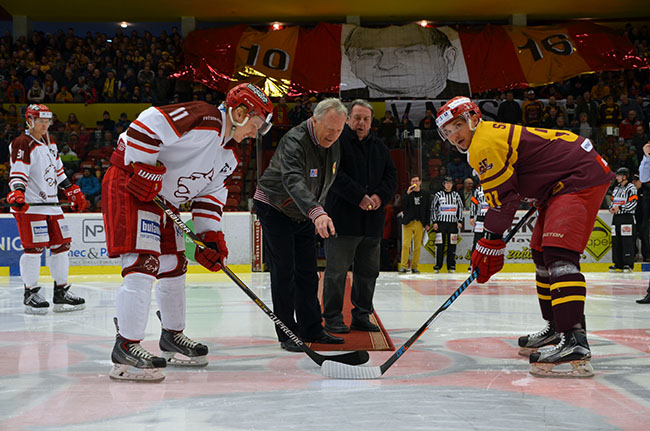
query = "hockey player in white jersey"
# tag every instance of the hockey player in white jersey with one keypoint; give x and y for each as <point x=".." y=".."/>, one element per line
<point x="182" y="152"/>
<point x="36" y="174"/>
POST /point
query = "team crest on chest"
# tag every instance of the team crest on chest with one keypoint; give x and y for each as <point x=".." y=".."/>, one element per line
<point x="484" y="166"/>
<point x="187" y="187"/>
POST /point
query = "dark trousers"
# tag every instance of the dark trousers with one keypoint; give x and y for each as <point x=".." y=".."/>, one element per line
<point x="363" y="254"/>
<point x="291" y="257"/>
<point x="643" y="233"/>
<point x="623" y="244"/>
<point x="446" y="229"/>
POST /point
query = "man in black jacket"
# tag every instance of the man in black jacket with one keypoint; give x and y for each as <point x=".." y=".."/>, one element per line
<point x="367" y="179"/>
<point x="288" y="201"/>
<point x="417" y="212"/>
<point x="509" y="110"/>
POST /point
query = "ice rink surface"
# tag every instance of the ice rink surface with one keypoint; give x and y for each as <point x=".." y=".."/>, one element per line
<point x="462" y="374"/>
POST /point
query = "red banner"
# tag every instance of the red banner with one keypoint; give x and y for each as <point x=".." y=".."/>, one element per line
<point x="295" y="60"/>
<point x="289" y="61"/>
<point x="509" y="56"/>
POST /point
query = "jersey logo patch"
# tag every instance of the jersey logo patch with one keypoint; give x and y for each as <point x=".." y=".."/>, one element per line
<point x="484" y="166"/>
<point x="226" y="168"/>
<point x="313" y="173"/>
<point x="188" y="187"/>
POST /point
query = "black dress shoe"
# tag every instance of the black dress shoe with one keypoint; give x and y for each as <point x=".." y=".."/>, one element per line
<point x="336" y="327"/>
<point x="364" y="325"/>
<point x="645" y="300"/>
<point x="325" y="338"/>
<point x="290" y="346"/>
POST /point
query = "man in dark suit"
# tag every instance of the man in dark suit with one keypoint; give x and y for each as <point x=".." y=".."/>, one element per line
<point x="366" y="181"/>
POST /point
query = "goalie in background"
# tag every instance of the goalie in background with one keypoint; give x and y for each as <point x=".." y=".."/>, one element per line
<point x="566" y="179"/>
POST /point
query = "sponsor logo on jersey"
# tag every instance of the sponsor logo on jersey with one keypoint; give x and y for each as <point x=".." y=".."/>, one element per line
<point x="150" y="227"/>
<point x="40" y="230"/>
<point x="586" y="145"/>
<point x="484" y="166"/>
<point x="313" y="173"/>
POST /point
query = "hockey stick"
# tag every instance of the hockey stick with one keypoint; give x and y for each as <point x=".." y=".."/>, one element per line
<point x="352" y="358"/>
<point x="38" y="204"/>
<point x="343" y="371"/>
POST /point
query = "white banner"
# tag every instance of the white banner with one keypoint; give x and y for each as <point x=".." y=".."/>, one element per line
<point x="402" y="61"/>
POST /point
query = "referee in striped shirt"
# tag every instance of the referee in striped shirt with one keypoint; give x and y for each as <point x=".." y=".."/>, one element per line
<point x="446" y="219"/>
<point x="622" y="208"/>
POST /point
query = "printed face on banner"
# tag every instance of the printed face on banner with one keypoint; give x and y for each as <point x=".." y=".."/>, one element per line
<point x="409" y="61"/>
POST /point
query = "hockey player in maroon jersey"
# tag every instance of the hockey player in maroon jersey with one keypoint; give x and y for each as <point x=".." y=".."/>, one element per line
<point x="35" y="177"/>
<point x="182" y="152"/>
<point x="566" y="179"/>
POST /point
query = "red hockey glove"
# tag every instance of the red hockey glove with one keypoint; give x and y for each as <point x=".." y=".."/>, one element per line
<point x="76" y="198"/>
<point x="488" y="258"/>
<point x="17" y="197"/>
<point x="146" y="181"/>
<point x="213" y="257"/>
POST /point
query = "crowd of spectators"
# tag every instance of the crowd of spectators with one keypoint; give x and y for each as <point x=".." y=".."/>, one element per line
<point x="611" y="108"/>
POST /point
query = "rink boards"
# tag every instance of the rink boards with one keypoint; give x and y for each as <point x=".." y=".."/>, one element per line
<point x="88" y="249"/>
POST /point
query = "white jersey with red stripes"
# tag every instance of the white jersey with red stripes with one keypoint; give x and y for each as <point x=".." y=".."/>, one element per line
<point x="36" y="165"/>
<point x="188" y="138"/>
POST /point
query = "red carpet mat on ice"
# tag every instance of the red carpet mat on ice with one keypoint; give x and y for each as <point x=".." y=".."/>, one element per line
<point x="355" y="340"/>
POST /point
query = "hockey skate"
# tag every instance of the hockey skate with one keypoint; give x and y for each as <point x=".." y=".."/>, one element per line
<point x="34" y="301"/>
<point x="573" y="349"/>
<point x="532" y="342"/>
<point x="131" y="362"/>
<point x="171" y="343"/>
<point x="66" y="301"/>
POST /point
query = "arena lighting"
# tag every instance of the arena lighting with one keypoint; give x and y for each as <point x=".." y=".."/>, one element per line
<point x="124" y="24"/>
<point x="276" y="26"/>
<point x="424" y="23"/>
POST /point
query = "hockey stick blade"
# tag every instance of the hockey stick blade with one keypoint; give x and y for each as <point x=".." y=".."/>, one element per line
<point x="351" y="358"/>
<point x="344" y="371"/>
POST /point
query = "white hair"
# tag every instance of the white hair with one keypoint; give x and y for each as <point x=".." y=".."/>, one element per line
<point x="326" y="105"/>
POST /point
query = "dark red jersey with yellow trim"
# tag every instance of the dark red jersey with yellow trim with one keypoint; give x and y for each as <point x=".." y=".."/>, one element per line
<point x="518" y="163"/>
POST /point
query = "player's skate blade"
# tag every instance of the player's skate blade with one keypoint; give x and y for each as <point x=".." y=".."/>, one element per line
<point x="579" y="369"/>
<point x="133" y="363"/>
<point x="127" y="373"/>
<point x="572" y="350"/>
<point x="180" y="350"/>
<point x="34" y="302"/>
<point x="65" y="301"/>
